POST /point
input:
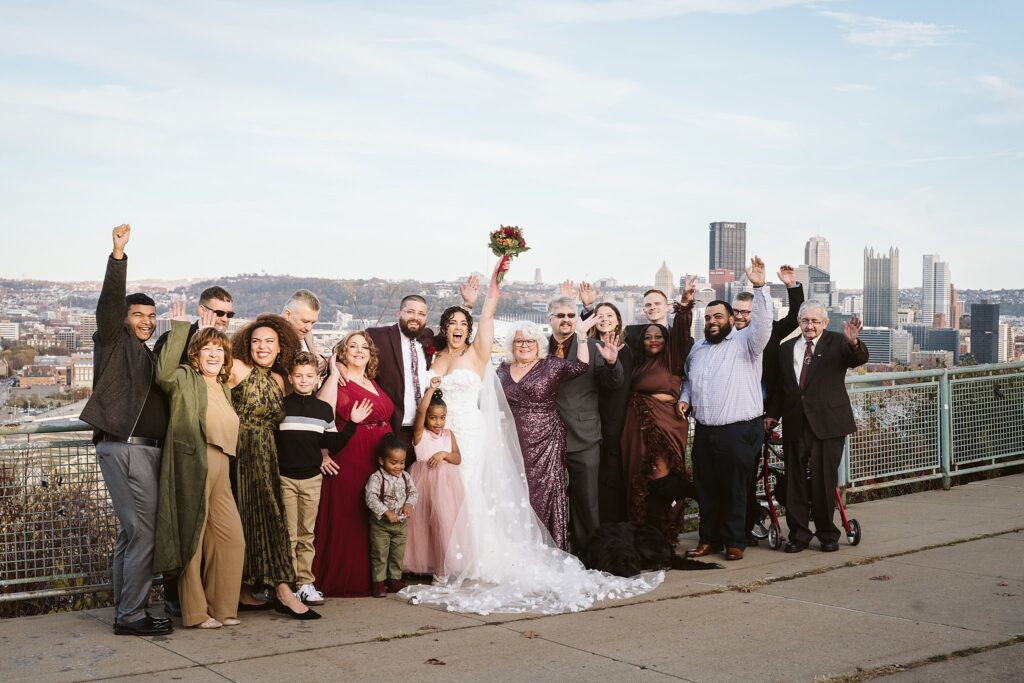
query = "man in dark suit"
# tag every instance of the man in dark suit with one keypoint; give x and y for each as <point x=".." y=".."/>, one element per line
<point x="577" y="402"/>
<point x="742" y="305"/>
<point x="656" y="308"/>
<point x="405" y="351"/>
<point x="816" y="415"/>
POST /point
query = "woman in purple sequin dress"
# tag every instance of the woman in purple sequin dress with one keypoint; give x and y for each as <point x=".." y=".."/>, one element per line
<point x="530" y="379"/>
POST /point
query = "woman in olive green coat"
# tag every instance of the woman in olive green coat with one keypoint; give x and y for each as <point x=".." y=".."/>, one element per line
<point x="198" y="526"/>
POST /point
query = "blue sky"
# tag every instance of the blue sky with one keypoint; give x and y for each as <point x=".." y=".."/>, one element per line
<point x="348" y="139"/>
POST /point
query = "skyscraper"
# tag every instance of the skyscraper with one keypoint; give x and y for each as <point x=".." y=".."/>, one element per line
<point x="985" y="332"/>
<point x="935" y="291"/>
<point x="728" y="247"/>
<point x="881" y="287"/>
<point x="817" y="283"/>
<point x="817" y="253"/>
<point x="664" y="281"/>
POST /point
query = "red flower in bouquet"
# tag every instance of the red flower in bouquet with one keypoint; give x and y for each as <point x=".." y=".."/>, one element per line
<point x="507" y="242"/>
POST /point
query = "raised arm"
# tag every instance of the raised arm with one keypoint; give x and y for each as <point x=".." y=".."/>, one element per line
<point x="795" y="295"/>
<point x="329" y="389"/>
<point x="110" y="309"/>
<point x="484" y="340"/>
<point x="419" y="424"/>
<point x="167" y="362"/>
<point x="760" y="328"/>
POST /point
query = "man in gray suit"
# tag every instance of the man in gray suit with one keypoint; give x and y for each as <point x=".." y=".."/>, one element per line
<point x="577" y="402"/>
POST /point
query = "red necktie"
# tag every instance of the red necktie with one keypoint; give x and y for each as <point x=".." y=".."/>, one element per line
<point x="808" y="350"/>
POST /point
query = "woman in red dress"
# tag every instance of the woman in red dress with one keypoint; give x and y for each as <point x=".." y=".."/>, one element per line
<point x="342" y="561"/>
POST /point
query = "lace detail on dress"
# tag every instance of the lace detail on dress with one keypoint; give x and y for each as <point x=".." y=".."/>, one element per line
<point x="509" y="563"/>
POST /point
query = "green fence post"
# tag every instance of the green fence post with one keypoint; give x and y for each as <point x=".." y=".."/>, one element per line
<point x="945" y="429"/>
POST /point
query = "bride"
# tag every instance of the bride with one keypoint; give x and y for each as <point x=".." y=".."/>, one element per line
<point x="500" y="557"/>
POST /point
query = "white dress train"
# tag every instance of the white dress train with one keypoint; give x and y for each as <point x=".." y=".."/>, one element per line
<point x="500" y="557"/>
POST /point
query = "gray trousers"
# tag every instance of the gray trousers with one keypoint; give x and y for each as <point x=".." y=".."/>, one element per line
<point x="131" y="474"/>
<point x="584" y="469"/>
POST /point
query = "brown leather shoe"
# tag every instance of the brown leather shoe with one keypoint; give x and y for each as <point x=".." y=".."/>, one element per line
<point x="734" y="553"/>
<point x="378" y="590"/>
<point x="701" y="550"/>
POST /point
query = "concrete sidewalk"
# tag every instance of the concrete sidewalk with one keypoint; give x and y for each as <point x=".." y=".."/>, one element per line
<point x="934" y="592"/>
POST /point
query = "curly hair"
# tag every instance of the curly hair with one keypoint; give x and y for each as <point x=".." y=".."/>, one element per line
<point x="287" y="339"/>
<point x="372" y="364"/>
<point x="210" y="335"/>
<point x="446" y="318"/>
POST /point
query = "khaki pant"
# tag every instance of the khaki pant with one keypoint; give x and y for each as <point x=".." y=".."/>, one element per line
<point x="301" y="498"/>
<point x="212" y="579"/>
<point x="387" y="548"/>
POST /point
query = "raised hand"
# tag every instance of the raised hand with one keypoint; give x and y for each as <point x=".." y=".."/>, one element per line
<point x="851" y="330"/>
<point x="470" y="291"/>
<point x="207" y="318"/>
<point x="567" y="289"/>
<point x="337" y="370"/>
<point x="755" y="273"/>
<point x="689" y="290"/>
<point x="178" y="311"/>
<point x="584" y="326"/>
<point x="120" y="236"/>
<point x="360" y="410"/>
<point x="610" y="352"/>
<point x="435" y="382"/>
<point x="588" y="295"/>
<point x="787" y="275"/>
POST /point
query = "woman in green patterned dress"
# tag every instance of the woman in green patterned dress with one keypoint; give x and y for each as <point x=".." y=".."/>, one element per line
<point x="257" y="392"/>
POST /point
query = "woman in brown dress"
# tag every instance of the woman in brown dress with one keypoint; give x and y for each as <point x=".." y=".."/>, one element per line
<point x="654" y="436"/>
<point x="257" y="393"/>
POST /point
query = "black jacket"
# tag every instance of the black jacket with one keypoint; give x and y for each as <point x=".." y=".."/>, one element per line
<point x="124" y="367"/>
<point x="823" y="406"/>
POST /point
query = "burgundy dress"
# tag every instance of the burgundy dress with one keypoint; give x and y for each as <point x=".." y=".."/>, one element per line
<point x="342" y="561"/>
<point x="542" y="437"/>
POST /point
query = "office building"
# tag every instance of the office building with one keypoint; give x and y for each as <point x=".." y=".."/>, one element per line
<point x="985" y="332"/>
<point x="728" y="247"/>
<point x="664" y="281"/>
<point x="878" y="342"/>
<point x="817" y="253"/>
<point x="1006" y="343"/>
<point x="935" y="292"/>
<point x="817" y="283"/>
<point x="942" y="339"/>
<point x="10" y="331"/>
<point x="902" y="346"/>
<point x="881" y="287"/>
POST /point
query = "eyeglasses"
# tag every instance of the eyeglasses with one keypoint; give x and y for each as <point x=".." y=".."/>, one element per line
<point x="524" y="342"/>
<point x="810" y="321"/>
<point x="739" y="313"/>
<point x="218" y="313"/>
<point x="563" y="315"/>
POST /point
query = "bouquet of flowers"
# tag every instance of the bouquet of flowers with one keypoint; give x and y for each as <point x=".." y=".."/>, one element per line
<point x="507" y="242"/>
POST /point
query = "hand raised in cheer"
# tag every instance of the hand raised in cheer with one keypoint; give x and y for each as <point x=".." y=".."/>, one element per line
<point x="584" y="326"/>
<point x="610" y="351"/>
<point x="207" y="317"/>
<point x="360" y="410"/>
<point x="178" y="312"/>
<point x="851" y="330"/>
<point x="755" y="272"/>
<point x="120" y="236"/>
<point x="588" y="295"/>
<point x="470" y="291"/>
<point x="787" y="275"/>
<point x="567" y="288"/>
<point x="689" y="291"/>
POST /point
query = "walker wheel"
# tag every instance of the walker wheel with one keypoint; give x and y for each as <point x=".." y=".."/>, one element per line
<point x="774" y="537"/>
<point x="760" y="530"/>
<point x="853" y="535"/>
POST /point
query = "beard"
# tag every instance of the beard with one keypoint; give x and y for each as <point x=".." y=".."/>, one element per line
<point x="715" y="338"/>
<point x="409" y="334"/>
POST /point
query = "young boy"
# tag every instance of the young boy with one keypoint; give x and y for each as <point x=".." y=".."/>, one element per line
<point x="304" y="440"/>
<point x="390" y="495"/>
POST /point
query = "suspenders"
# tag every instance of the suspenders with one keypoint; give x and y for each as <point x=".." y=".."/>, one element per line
<point x="405" y="479"/>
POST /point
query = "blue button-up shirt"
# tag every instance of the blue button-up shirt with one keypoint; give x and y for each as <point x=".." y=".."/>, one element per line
<point x="723" y="380"/>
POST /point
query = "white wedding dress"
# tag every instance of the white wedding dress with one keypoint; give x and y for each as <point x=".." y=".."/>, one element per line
<point x="500" y="557"/>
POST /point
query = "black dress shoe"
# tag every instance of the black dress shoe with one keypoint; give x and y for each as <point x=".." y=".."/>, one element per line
<point x="160" y="620"/>
<point x="146" y="626"/>
<point x="829" y="546"/>
<point x="795" y="547"/>
<point x="172" y="608"/>
<point x="285" y="609"/>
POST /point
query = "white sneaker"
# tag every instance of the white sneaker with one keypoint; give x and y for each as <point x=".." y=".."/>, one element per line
<point x="309" y="595"/>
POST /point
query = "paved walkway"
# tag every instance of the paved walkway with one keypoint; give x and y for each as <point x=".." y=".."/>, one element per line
<point x="934" y="592"/>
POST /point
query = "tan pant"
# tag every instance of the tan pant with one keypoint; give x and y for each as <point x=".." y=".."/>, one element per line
<point x="301" y="499"/>
<point x="212" y="579"/>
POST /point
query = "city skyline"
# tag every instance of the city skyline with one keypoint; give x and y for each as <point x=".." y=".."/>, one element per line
<point x="388" y="140"/>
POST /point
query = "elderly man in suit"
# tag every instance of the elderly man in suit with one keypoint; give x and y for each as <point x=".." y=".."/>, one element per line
<point x="816" y="415"/>
<point x="405" y="351"/>
<point x="577" y="402"/>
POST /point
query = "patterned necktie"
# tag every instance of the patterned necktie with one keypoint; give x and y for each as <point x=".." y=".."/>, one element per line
<point x="415" y="362"/>
<point x="808" y="350"/>
<point x="559" y="349"/>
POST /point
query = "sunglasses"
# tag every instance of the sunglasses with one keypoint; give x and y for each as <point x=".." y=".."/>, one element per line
<point x="563" y="315"/>
<point x="219" y="314"/>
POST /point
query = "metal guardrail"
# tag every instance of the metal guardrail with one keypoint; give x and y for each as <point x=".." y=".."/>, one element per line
<point x="57" y="526"/>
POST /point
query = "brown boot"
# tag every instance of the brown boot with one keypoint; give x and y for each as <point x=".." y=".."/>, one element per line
<point x="378" y="590"/>
<point x="395" y="585"/>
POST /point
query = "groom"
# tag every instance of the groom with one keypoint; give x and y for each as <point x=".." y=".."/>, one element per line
<point x="405" y="351"/>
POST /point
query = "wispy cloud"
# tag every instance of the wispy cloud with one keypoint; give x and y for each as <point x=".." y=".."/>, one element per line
<point x="895" y="37"/>
<point x="853" y="87"/>
<point x="1010" y="97"/>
